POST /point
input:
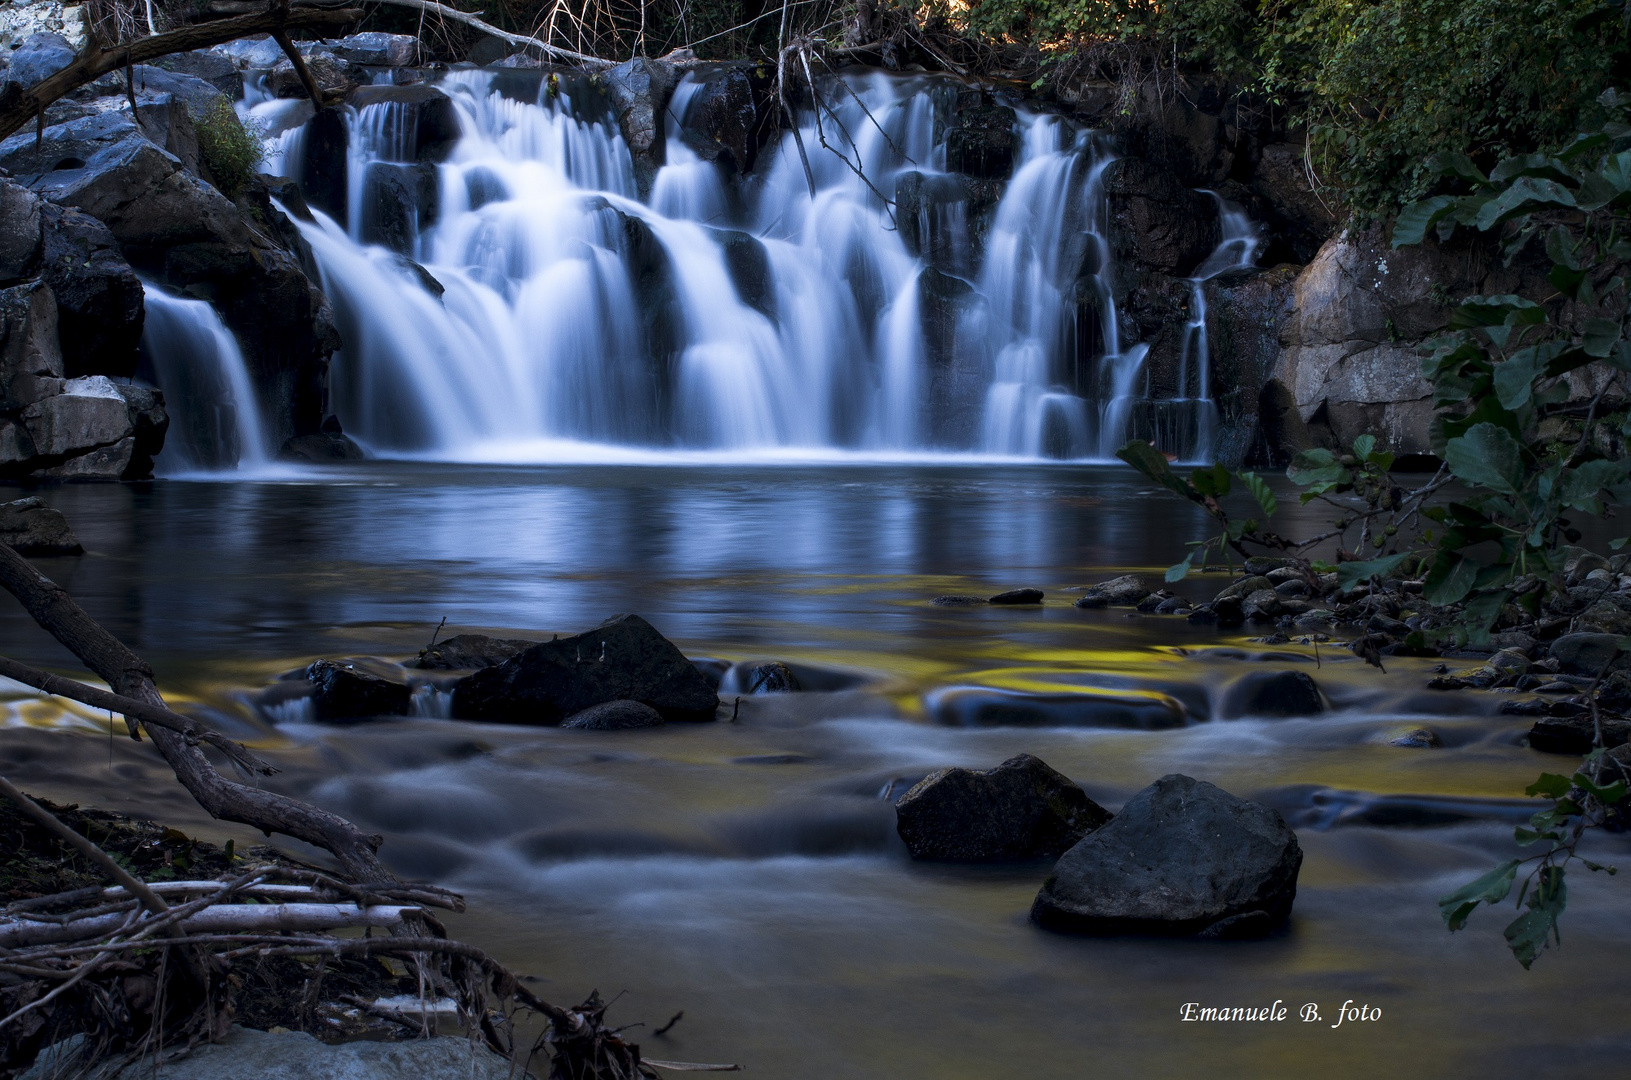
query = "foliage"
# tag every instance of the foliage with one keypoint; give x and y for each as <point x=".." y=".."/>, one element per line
<point x="230" y="148"/>
<point x="1508" y="376"/>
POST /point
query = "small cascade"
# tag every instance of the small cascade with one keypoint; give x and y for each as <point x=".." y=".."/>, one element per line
<point x="905" y="306"/>
<point x="215" y="420"/>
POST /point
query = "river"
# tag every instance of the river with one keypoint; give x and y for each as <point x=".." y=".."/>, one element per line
<point x="747" y="872"/>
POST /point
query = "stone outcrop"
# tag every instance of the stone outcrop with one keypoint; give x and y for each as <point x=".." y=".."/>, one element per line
<point x="1021" y="809"/>
<point x="342" y="692"/>
<point x="1181" y="858"/>
<point x="639" y="90"/>
<point x="29" y="527"/>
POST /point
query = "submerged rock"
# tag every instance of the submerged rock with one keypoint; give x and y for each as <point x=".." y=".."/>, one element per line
<point x="1274" y="693"/>
<point x="615" y="716"/>
<point x="772" y="678"/>
<point x="29" y="527"/>
<point x="984" y="707"/>
<point x="624" y="657"/>
<point x="1021" y="809"/>
<point x="1416" y="737"/>
<point x="1018" y="596"/>
<point x="959" y="601"/>
<point x="1183" y="857"/>
<point x="341" y="692"/>
<point x="470" y="652"/>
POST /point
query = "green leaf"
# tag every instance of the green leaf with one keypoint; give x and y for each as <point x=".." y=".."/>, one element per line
<point x="1492" y="888"/>
<point x="1599" y="336"/>
<point x="1153" y="464"/>
<point x="1528" y="934"/>
<point x="1350" y="574"/>
<point x="1448" y="163"/>
<point x="1608" y="795"/>
<point x="1414" y="220"/>
<point x="1525" y="193"/>
<point x="1211" y="480"/>
<point x="1317" y="467"/>
<point x="1180" y="571"/>
<point x="1449" y="579"/>
<point x="1550" y="785"/>
<point x="1487" y="456"/>
<point x="1582" y="484"/>
<point x="1260" y="491"/>
<point x="1363" y="446"/>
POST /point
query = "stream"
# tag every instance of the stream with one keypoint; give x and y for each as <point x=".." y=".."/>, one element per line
<point x="747" y="872"/>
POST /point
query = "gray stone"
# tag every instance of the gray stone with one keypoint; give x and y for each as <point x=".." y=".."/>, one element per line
<point x="959" y="600"/>
<point x="1021" y="809"/>
<point x="30" y="361"/>
<point x="615" y="716"/>
<point x="88" y="414"/>
<point x="639" y="90"/>
<point x="100" y="463"/>
<point x="773" y="677"/>
<point x="1587" y="654"/>
<point x="1121" y="591"/>
<point x="332" y="75"/>
<point x="20" y="231"/>
<point x="1416" y="737"/>
<point x="215" y="68"/>
<point x="29" y="527"/>
<point x="722" y="122"/>
<point x="38" y="58"/>
<point x="376" y="49"/>
<point x="1182" y="857"/>
<point x="623" y="658"/>
<point x="1157" y="222"/>
<point x="988" y="707"/>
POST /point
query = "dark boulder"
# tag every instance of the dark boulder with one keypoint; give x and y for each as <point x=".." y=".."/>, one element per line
<point x="1273" y="693"/>
<point x="722" y="122"/>
<point x="319" y="447"/>
<point x="99" y="298"/>
<point x="20" y="231"/>
<point x="985" y="707"/>
<point x="377" y="49"/>
<point x="341" y="692"/>
<point x="1019" y="810"/>
<point x="1122" y="591"/>
<point x="215" y="68"/>
<point x="29" y="527"/>
<point x="332" y="75"/>
<point x="470" y="652"/>
<point x="325" y="163"/>
<point x="625" y="657"/>
<point x="622" y="715"/>
<point x="982" y="143"/>
<point x="1575" y="735"/>
<point x="1182" y="857"/>
<point x="774" y="677"/>
<point x="37" y="59"/>
<point x="398" y="203"/>
<point x="1018" y="596"/>
<point x="1587" y="654"/>
<point x="429" y="120"/>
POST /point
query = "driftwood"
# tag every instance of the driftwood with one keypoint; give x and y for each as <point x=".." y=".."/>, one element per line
<point x="131" y="677"/>
<point x="19" y="105"/>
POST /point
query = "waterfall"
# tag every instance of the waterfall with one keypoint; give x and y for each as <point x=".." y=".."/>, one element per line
<point x="550" y="311"/>
<point x="215" y="420"/>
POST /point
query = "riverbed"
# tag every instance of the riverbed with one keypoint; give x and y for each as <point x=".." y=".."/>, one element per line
<point x="747" y="872"/>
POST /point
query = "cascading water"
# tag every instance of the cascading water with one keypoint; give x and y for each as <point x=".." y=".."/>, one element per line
<point x="215" y="420"/>
<point x="555" y="307"/>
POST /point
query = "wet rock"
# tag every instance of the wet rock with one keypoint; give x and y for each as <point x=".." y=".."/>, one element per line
<point x="1274" y="693"/>
<point x="217" y="69"/>
<point x="959" y="600"/>
<point x="428" y="119"/>
<point x="320" y="447"/>
<point x="1173" y="605"/>
<point x="469" y="652"/>
<point x="639" y="90"/>
<point x="1575" y="735"/>
<point x="1154" y="601"/>
<point x="1181" y="858"/>
<point x="1021" y="809"/>
<point x="29" y="527"/>
<point x="985" y="707"/>
<point x="1509" y="662"/>
<point x="772" y="678"/>
<point x="333" y="76"/>
<point x="748" y="264"/>
<point x="1262" y="605"/>
<point x="615" y="716"/>
<point x="1268" y="566"/>
<point x="1155" y="221"/>
<point x="325" y="163"/>
<point x="1587" y="654"/>
<point x="341" y="692"/>
<point x="625" y="657"/>
<point x="30" y="360"/>
<point x="1245" y="587"/>
<point x="1018" y="596"/>
<point x="722" y="122"/>
<point x="398" y="203"/>
<point x="1121" y="591"/>
<point x="1417" y="737"/>
<point x="982" y="143"/>
<point x="1225" y="612"/>
<point x="87" y="414"/>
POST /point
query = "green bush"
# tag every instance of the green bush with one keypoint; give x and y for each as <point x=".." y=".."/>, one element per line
<point x="230" y="149"/>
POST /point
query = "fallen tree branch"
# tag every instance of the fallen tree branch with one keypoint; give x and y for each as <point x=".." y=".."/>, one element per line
<point x="130" y="676"/>
<point x="19" y="104"/>
<point x="72" y="689"/>
<point x="218" y="919"/>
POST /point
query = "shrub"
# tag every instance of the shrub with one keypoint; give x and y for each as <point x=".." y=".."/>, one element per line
<point x="230" y="148"/>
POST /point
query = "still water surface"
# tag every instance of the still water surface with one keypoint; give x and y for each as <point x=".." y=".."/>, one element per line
<point x="747" y="872"/>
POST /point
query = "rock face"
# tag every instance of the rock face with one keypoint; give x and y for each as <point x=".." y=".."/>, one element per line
<point x="340" y="692"/>
<point x="1021" y="809"/>
<point x="639" y="90"/>
<point x="1157" y="222"/>
<point x="470" y="652"/>
<point x="623" y="658"/>
<point x="723" y="120"/>
<point x="29" y="527"/>
<point x="1182" y="857"/>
